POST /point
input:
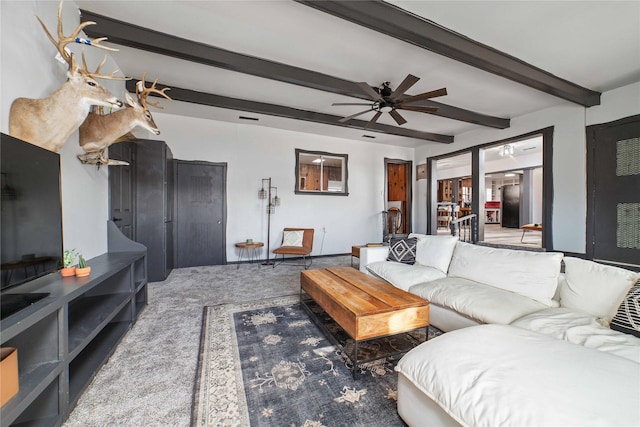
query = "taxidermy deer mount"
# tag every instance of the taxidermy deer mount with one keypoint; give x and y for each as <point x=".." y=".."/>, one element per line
<point x="49" y="122"/>
<point x="98" y="131"/>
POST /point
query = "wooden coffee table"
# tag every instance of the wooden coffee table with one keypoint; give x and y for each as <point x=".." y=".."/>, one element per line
<point x="364" y="307"/>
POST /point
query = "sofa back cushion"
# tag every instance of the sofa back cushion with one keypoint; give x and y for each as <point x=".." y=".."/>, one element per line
<point x="595" y="288"/>
<point x="531" y="274"/>
<point x="435" y="251"/>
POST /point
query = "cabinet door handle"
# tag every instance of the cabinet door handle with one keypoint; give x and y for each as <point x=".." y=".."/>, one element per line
<point x="219" y="222"/>
<point x="116" y="219"/>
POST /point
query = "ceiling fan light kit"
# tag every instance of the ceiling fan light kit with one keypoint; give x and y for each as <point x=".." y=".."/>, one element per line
<point x="387" y="100"/>
<point x="506" y="150"/>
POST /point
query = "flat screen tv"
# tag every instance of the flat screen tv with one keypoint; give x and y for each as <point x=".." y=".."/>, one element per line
<point x="31" y="211"/>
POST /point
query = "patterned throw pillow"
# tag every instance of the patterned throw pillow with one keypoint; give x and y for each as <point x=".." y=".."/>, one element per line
<point x="403" y="250"/>
<point x="292" y="238"/>
<point x="627" y="318"/>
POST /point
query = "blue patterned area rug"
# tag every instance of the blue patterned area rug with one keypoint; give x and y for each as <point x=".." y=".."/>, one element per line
<point x="265" y="363"/>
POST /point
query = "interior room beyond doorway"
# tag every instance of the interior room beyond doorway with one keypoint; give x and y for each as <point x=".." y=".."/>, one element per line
<point x="513" y="192"/>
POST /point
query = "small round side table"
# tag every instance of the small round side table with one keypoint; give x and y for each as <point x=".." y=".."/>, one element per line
<point x="249" y="251"/>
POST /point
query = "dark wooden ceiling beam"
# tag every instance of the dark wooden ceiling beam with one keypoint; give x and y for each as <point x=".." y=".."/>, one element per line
<point x="134" y="36"/>
<point x="396" y="22"/>
<point x="211" y="100"/>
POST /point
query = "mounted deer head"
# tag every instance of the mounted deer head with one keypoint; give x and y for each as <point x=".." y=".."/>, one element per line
<point x="49" y="122"/>
<point x="99" y="131"/>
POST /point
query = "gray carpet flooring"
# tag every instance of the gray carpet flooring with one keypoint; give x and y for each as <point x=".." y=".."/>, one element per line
<point x="149" y="379"/>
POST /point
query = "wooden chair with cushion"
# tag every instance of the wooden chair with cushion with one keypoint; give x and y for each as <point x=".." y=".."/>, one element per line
<point x="297" y="242"/>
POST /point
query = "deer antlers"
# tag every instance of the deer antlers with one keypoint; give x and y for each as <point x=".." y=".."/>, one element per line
<point x="48" y="122"/>
<point x="63" y="41"/>
<point x="142" y="92"/>
<point x="96" y="74"/>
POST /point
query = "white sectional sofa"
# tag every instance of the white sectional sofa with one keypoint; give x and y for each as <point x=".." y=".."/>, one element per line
<point x="469" y="284"/>
<point x="526" y="345"/>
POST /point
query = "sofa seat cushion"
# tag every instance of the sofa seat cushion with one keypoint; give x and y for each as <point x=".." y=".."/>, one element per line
<point x="403" y="276"/>
<point x="499" y="375"/>
<point x="531" y="274"/>
<point x="480" y="302"/>
<point x="583" y="329"/>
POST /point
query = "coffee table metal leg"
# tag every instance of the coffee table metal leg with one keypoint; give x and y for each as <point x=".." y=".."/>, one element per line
<point x="355" y="361"/>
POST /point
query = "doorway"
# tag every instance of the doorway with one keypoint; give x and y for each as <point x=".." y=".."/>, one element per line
<point x="525" y="160"/>
<point x="613" y="202"/>
<point x="201" y="207"/>
<point x="398" y="196"/>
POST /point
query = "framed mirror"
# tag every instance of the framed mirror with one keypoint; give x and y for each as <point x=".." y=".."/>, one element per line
<point x="318" y="172"/>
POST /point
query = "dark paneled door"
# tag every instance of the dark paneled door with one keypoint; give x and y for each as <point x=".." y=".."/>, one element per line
<point x="200" y="219"/>
<point x="121" y="188"/>
<point x="614" y="192"/>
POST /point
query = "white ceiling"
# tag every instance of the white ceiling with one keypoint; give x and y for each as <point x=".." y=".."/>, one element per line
<point x="595" y="44"/>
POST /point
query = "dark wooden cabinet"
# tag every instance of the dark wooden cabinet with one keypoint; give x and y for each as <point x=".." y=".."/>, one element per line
<point x="154" y="191"/>
<point x="511" y="206"/>
<point x="66" y="337"/>
<point x="444" y="190"/>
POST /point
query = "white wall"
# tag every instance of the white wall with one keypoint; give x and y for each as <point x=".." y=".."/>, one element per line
<point x="254" y="152"/>
<point x="419" y="204"/>
<point x="28" y="69"/>
<point x="616" y="104"/>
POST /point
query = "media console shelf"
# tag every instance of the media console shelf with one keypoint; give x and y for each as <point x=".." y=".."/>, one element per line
<point x="65" y="338"/>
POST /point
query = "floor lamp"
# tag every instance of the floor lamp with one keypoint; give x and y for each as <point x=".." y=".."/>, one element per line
<point x="271" y="209"/>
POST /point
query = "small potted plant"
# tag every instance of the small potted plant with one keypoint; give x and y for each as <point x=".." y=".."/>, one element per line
<point x="68" y="260"/>
<point x="82" y="270"/>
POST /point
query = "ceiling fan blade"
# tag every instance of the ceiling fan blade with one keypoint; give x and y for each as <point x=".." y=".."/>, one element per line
<point x="422" y="96"/>
<point x="344" y="119"/>
<point x="417" y="108"/>
<point x="374" y="119"/>
<point x="364" y="86"/>
<point x="397" y="117"/>
<point x="351" y="103"/>
<point x="408" y="81"/>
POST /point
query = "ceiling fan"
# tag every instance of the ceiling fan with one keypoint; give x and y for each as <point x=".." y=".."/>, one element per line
<point x="387" y="100"/>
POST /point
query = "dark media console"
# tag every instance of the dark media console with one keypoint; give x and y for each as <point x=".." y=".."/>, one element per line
<point x="64" y="338"/>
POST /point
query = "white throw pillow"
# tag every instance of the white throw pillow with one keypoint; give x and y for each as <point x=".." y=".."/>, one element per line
<point x="435" y="251"/>
<point x="531" y="274"/>
<point x="292" y="238"/>
<point x="595" y="288"/>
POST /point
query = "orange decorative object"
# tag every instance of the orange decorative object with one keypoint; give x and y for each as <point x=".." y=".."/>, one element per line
<point x="8" y="374"/>
<point x="68" y="271"/>
<point x="83" y="272"/>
